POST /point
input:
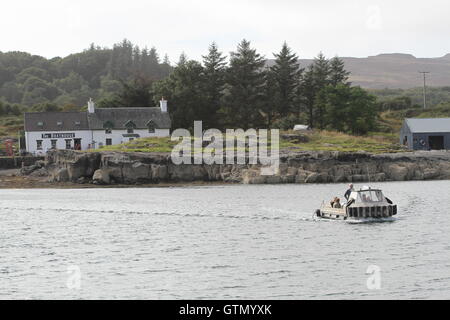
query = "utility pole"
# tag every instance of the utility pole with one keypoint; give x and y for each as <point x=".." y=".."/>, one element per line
<point x="424" y="88"/>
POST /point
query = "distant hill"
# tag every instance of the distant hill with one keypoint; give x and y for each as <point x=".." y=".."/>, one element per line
<point x="396" y="71"/>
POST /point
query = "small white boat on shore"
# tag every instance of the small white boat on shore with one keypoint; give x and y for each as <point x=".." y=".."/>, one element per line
<point x="366" y="203"/>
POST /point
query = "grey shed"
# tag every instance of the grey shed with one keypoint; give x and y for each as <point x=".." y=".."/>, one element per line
<point x="426" y="134"/>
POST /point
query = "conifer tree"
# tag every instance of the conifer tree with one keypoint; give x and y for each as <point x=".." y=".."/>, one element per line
<point x="245" y="80"/>
<point x="316" y="79"/>
<point x="182" y="60"/>
<point x="308" y="92"/>
<point x="184" y="91"/>
<point x="321" y="72"/>
<point x="338" y="74"/>
<point x="285" y="74"/>
<point x="166" y="59"/>
<point x="270" y="91"/>
<point x="214" y="71"/>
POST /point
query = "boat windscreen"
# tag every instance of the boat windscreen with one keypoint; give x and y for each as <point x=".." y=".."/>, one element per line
<point x="370" y="196"/>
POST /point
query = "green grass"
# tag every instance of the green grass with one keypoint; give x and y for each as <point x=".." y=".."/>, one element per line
<point x="336" y="141"/>
<point x="391" y="121"/>
<point x="385" y="140"/>
<point x="318" y="140"/>
<point x="142" y="145"/>
<point x="442" y="111"/>
<point x="9" y="128"/>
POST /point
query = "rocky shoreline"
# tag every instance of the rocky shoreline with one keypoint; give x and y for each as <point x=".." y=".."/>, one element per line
<point x="116" y="168"/>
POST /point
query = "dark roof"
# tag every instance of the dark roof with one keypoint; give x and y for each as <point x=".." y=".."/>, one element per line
<point x="118" y="117"/>
<point x="114" y="118"/>
<point x="429" y="125"/>
<point x="56" y="121"/>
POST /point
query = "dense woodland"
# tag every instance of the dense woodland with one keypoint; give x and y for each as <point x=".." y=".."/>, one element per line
<point x="225" y="91"/>
<point x="33" y="81"/>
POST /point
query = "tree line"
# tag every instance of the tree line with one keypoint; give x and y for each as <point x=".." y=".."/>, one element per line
<point x="29" y="80"/>
<point x="248" y="92"/>
<point x="244" y="89"/>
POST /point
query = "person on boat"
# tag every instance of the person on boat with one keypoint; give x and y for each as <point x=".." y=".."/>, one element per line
<point x="337" y="203"/>
<point x="349" y="191"/>
<point x="332" y="202"/>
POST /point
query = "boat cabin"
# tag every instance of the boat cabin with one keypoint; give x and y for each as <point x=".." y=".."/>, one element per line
<point x="368" y="196"/>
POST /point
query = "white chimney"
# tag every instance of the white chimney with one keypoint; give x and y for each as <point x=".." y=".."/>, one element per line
<point x="163" y="105"/>
<point x="91" y="106"/>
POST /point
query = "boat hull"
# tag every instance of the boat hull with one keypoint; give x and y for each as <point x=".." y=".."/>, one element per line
<point x="357" y="212"/>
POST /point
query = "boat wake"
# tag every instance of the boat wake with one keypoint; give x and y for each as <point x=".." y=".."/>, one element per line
<point x="356" y="221"/>
<point x="371" y="220"/>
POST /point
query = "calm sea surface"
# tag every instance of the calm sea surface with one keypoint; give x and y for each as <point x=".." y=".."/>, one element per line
<point x="227" y="242"/>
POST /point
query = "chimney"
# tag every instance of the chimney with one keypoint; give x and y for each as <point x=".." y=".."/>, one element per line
<point x="91" y="106"/>
<point x="163" y="105"/>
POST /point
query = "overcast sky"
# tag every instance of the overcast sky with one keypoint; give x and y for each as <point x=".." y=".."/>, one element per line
<point x="356" y="28"/>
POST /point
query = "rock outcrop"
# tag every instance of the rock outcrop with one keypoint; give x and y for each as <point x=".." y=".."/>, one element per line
<point x="101" y="176"/>
<point x="298" y="167"/>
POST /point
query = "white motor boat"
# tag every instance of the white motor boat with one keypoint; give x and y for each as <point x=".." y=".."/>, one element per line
<point x="362" y="204"/>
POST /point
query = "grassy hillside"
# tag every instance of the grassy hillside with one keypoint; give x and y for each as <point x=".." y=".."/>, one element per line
<point x="385" y="140"/>
<point x="316" y="140"/>
<point x="394" y="119"/>
<point x="9" y="128"/>
<point x="435" y="95"/>
<point x="336" y="141"/>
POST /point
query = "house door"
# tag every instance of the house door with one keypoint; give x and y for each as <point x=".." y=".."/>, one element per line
<point x="77" y="144"/>
<point x="436" y="142"/>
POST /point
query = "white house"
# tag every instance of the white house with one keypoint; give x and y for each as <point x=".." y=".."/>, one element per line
<point x="93" y="129"/>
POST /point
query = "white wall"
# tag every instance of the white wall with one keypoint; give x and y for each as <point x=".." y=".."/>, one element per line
<point x="32" y="136"/>
<point x="99" y="136"/>
<point x="87" y="137"/>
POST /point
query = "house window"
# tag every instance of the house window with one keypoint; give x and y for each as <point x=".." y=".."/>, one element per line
<point x="68" y="143"/>
<point x="39" y="144"/>
<point x="54" y="144"/>
<point x="59" y="123"/>
<point x="151" y="127"/>
<point x="108" y="125"/>
<point x="108" y="142"/>
<point x="130" y="126"/>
